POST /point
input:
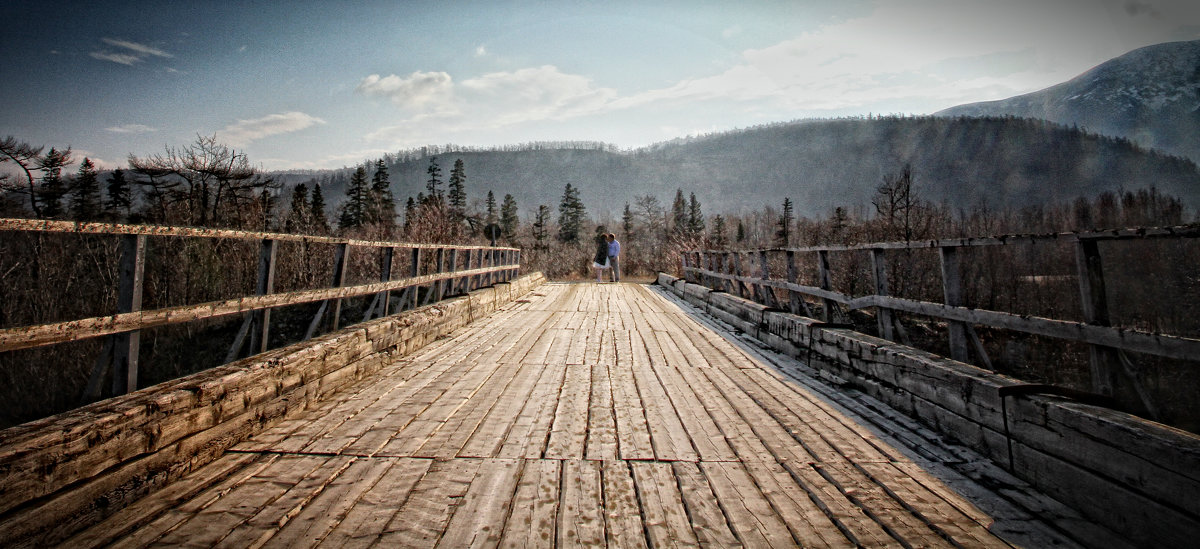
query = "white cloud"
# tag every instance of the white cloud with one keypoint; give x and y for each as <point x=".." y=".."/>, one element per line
<point x="245" y="131"/>
<point x="140" y="49"/>
<point x="129" y="53"/>
<point x="730" y="32"/>
<point x="131" y="128"/>
<point x="480" y="51"/>
<point x="415" y="90"/>
<point x="490" y="101"/>
<point x="122" y="58"/>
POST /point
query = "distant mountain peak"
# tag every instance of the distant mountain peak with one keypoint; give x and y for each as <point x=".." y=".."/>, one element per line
<point x="1150" y="95"/>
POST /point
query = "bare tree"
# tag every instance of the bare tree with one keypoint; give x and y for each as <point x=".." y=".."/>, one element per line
<point x="26" y="157"/>
<point x="209" y="179"/>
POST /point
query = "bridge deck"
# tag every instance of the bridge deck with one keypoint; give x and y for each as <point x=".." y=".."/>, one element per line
<point x="583" y="415"/>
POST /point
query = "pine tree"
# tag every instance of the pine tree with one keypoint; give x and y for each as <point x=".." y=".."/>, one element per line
<point x="741" y="232"/>
<point x="695" y="222"/>
<point x="718" y="232"/>
<point x="85" y="193"/>
<point x="838" y="222"/>
<point x="508" y="216"/>
<point x="627" y="222"/>
<point x="266" y="204"/>
<point x="297" y="218"/>
<point x="354" y="210"/>
<point x="434" y="183"/>
<point x="570" y="215"/>
<point x="119" y="198"/>
<point x="679" y="219"/>
<point x="316" y="208"/>
<point x="539" y="228"/>
<point x="490" y="205"/>
<point x="783" y="235"/>
<point x="382" y="203"/>
<point x="456" y="191"/>
<point x="53" y="188"/>
<point x="410" y="210"/>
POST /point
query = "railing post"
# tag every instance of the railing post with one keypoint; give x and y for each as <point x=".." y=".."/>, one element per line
<point x="438" y="268"/>
<point x="766" y="293"/>
<point x="792" y="277"/>
<point x="414" y="271"/>
<point x="452" y="264"/>
<point x="517" y="264"/>
<point x="952" y="294"/>
<point x="737" y="265"/>
<point x="266" y="284"/>
<point x="129" y="299"/>
<point x="341" y="257"/>
<point x="385" y="275"/>
<point x="879" y="274"/>
<point x="1095" y="311"/>
<point x="826" y="283"/>
<point x="726" y="269"/>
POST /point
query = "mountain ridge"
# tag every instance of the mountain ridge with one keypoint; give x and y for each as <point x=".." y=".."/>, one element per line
<point x="1150" y="95"/>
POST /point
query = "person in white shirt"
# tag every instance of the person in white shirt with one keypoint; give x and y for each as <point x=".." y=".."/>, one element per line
<point x="614" y="256"/>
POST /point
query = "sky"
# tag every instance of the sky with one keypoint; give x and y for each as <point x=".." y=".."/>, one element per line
<point x="316" y="85"/>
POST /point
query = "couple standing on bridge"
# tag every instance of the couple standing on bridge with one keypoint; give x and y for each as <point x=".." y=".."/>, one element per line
<point x="608" y="255"/>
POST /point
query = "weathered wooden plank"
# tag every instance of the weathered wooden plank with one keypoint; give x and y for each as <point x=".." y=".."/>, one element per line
<point x="534" y="513"/>
<point x="423" y="518"/>
<point x="369" y="514"/>
<point x="311" y="526"/>
<point x="666" y="519"/>
<point x="529" y="433"/>
<point x="489" y="436"/>
<point x="601" y="441"/>
<point x="706" y="436"/>
<point x="454" y="432"/>
<point x="667" y="434"/>
<point x="434" y="407"/>
<point x="480" y="517"/>
<point x="265" y="524"/>
<point x="581" y="507"/>
<point x="750" y="514"/>
<point x="623" y="523"/>
<point x="809" y="524"/>
<point x="568" y="436"/>
<point x="703" y="510"/>
<point x="217" y="521"/>
<point x="633" y="433"/>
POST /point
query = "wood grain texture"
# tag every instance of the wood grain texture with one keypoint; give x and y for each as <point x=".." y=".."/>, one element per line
<point x="587" y="415"/>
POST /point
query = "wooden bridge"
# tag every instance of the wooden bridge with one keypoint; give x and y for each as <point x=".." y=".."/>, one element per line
<point x="525" y="413"/>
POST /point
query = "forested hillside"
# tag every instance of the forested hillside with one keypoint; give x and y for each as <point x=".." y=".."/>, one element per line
<point x="820" y="164"/>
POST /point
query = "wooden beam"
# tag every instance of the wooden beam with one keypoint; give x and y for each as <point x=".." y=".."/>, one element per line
<point x="129" y="301"/>
<point x="1094" y="303"/>
<point x="879" y="276"/>
<point x="60" y="332"/>
<point x="952" y="295"/>
<point x="1121" y="338"/>
<point x="49" y="226"/>
<point x="266" y="285"/>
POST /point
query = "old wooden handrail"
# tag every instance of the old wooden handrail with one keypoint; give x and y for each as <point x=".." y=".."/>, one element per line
<point x="492" y="264"/>
<point x="722" y="270"/>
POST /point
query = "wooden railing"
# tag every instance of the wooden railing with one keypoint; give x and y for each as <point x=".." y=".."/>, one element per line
<point x="454" y="269"/>
<point x="727" y="271"/>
